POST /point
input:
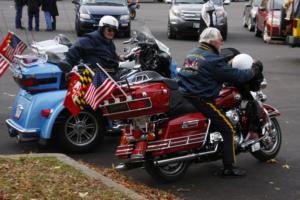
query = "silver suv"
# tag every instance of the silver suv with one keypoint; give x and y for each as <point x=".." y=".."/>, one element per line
<point x="184" y="17"/>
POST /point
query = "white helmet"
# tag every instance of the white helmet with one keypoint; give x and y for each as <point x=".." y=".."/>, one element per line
<point x="109" y="21"/>
<point x="242" y="61"/>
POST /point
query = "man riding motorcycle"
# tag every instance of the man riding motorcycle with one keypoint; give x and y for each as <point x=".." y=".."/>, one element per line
<point x="201" y="78"/>
<point x="97" y="47"/>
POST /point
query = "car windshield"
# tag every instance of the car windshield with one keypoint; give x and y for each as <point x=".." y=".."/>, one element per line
<point x="273" y="4"/>
<point x="217" y="2"/>
<point x="101" y="2"/>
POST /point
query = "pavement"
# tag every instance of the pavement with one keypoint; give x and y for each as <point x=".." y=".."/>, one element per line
<point x="84" y="169"/>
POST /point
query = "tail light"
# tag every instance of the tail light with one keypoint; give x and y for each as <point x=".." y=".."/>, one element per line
<point x="26" y="82"/>
<point x="294" y="24"/>
<point x="46" y="112"/>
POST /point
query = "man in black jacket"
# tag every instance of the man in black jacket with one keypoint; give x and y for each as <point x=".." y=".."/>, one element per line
<point x="97" y="47"/>
<point x="33" y="11"/>
<point x="19" y="8"/>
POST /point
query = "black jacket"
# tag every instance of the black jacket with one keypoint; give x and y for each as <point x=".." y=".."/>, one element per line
<point x="33" y="5"/>
<point x="19" y="2"/>
<point x="92" y="48"/>
<point x="50" y="5"/>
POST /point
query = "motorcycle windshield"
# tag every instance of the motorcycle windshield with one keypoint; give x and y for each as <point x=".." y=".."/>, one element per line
<point x="144" y="35"/>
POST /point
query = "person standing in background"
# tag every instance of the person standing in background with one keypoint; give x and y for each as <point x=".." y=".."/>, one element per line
<point x="46" y="5"/>
<point x="54" y="13"/>
<point x="19" y="8"/>
<point x="33" y="11"/>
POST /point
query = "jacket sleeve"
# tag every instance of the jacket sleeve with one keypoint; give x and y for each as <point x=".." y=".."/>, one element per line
<point x="78" y="50"/>
<point x="225" y="73"/>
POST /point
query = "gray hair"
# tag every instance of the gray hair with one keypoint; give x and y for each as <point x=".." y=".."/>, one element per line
<point x="209" y="35"/>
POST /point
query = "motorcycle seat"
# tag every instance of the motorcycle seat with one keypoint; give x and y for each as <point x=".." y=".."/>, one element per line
<point x="179" y="105"/>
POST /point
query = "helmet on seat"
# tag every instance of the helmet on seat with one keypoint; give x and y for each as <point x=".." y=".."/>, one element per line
<point x="242" y="61"/>
<point x="108" y="21"/>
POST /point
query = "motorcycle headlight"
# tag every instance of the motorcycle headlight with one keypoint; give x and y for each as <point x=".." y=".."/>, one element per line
<point x="84" y="16"/>
<point x="176" y="12"/>
<point x="124" y="17"/>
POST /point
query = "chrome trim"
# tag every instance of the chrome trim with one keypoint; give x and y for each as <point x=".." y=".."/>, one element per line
<point x="183" y="158"/>
<point x="11" y="124"/>
<point x="190" y="124"/>
<point x="129" y="110"/>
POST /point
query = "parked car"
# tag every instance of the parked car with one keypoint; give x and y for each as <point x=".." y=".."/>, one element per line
<point x="184" y="17"/>
<point x="89" y="13"/>
<point x="268" y="19"/>
<point x="249" y="14"/>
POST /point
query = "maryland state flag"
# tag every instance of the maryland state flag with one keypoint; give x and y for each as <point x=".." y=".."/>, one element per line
<point x="77" y="88"/>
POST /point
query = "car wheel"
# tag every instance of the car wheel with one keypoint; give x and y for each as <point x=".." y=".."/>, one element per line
<point x="244" y="21"/>
<point x="81" y="133"/>
<point x="171" y="34"/>
<point x="257" y="31"/>
<point x="224" y="33"/>
<point x="250" y="24"/>
<point x="79" y="32"/>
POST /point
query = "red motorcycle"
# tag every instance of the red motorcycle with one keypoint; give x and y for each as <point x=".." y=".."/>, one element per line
<point x="162" y="125"/>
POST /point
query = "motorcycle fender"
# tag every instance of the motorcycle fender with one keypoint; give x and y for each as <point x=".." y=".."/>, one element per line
<point x="273" y="112"/>
<point x="46" y="128"/>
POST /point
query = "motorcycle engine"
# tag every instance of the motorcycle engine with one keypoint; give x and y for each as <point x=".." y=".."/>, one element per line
<point x="233" y="116"/>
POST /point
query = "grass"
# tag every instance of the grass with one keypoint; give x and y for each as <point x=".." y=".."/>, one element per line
<point x="48" y="178"/>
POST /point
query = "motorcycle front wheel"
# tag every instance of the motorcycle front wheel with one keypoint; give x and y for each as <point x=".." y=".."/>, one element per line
<point x="167" y="173"/>
<point x="270" y="146"/>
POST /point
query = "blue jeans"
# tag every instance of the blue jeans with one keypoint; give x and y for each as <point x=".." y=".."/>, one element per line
<point x="48" y="20"/>
<point x="18" y="16"/>
<point x="36" y="15"/>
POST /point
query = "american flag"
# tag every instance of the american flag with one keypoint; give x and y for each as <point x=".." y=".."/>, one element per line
<point x="101" y="87"/>
<point x="10" y="47"/>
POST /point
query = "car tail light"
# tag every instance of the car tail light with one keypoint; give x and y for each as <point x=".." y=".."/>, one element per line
<point x="46" y="112"/>
<point x="294" y="24"/>
<point x="27" y="82"/>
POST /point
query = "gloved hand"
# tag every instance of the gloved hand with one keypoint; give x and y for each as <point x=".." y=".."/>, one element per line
<point x="257" y="68"/>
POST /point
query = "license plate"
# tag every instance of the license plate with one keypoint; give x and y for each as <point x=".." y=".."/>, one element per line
<point x="196" y="25"/>
<point x="255" y="147"/>
<point x="19" y="111"/>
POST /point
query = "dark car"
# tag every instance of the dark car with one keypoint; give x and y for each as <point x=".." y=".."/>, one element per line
<point x="89" y="13"/>
<point x="249" y="14"/>
<point x="184" y="17"/>
<point x="268" y="19"/>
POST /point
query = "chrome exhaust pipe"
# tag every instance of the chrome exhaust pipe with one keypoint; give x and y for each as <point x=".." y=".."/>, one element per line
<point x="183" y="158"/>
<point x="20" y="138"/>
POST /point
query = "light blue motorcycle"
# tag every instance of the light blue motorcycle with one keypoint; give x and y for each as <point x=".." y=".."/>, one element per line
<point x="38" y="112"/>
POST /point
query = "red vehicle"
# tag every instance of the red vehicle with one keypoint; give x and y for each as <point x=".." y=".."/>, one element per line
<point x="268" y="20"/>
<point x="170" y="132"/>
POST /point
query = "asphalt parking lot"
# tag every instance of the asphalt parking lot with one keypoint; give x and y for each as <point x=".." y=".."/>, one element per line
<point x="282" y="70"/>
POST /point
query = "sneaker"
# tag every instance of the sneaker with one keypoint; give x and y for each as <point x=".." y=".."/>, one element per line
<point x="233" y="172"/>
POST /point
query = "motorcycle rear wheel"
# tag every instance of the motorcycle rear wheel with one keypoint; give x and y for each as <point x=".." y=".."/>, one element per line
<point x="269" y="152"/>
<point x="81" y="133"/>
<point x="167" y="173"/>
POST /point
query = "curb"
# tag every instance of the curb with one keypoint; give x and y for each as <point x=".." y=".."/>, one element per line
<point x="89" y="172"/>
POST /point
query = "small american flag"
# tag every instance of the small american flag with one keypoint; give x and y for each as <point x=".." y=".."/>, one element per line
<point x="101" y="87"/>
<point x="10" y="47"/>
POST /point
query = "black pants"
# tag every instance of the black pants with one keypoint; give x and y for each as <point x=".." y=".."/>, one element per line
<point x="220" y="123"/>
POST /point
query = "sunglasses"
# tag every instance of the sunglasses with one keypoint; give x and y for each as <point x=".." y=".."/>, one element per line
<point x="110" y="30"/>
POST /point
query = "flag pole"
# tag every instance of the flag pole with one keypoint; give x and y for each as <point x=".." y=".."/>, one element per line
<point x="112" y="80"/>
